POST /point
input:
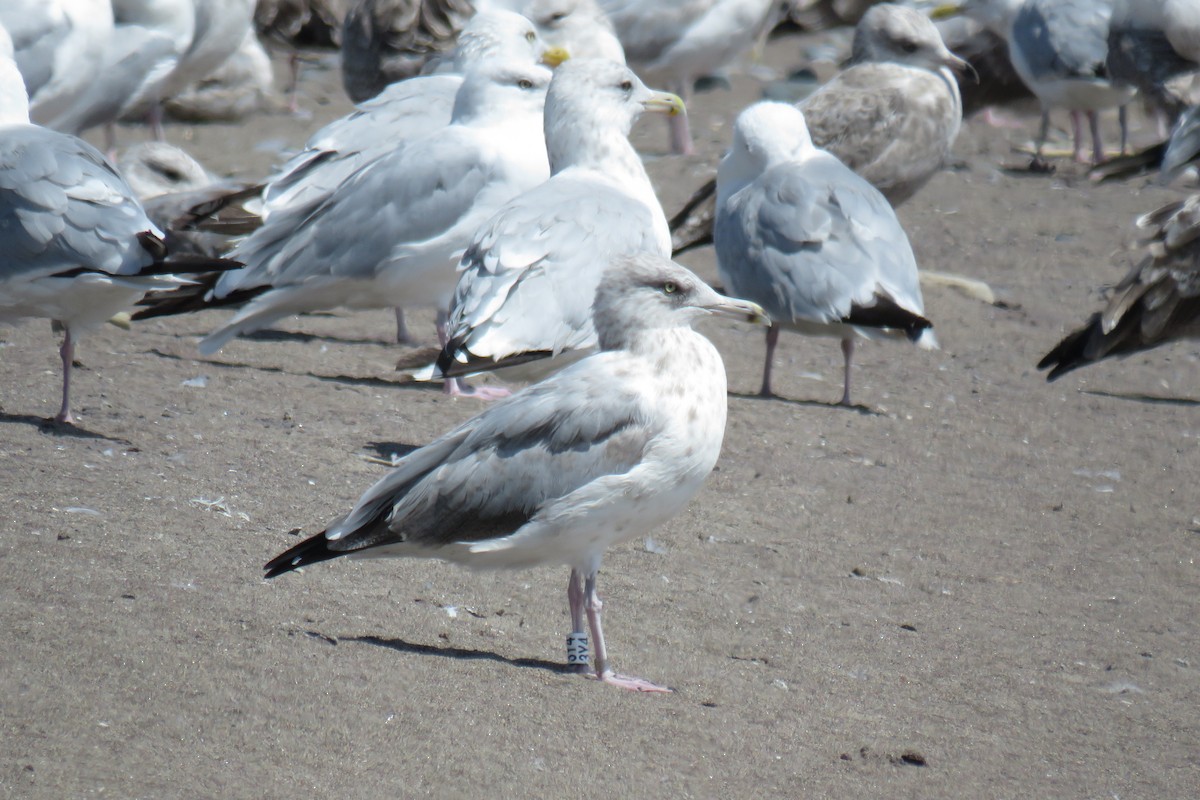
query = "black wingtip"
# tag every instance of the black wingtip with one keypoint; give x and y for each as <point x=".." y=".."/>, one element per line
<point x="1069" y="354"/>
<point x="313" y="550"/>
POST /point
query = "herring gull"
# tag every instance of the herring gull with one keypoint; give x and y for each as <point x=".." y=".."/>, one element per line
<point x="1150" y="42"/>
<point x="578" y="26"/>
<point x="812" y="242"/>
<point x="527" y="278"/>
<point x="892" y="116"/>
<point x="75" y="245"/>
<point x="404" y="111"/>
<point x="1059" y="48"/>
<point x="391" y="235"/>
<point x="1157" y="302"/>
<point x="678" y="41"/>
<point x="596" y="454"/>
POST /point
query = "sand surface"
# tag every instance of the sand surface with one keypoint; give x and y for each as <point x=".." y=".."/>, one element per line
<point x="979" y="585"/>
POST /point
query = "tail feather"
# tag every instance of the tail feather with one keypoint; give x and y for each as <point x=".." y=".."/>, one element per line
<point x="1072" y="352"/>
<point x="312" y="550"/>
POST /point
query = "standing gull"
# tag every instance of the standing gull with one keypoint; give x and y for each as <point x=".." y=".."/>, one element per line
<point x="1157" y="302"/>
<point x="528" y="276"/>
<point x="1150" y="42"/>
<point x="391" y="234"/>
<point x="75" y="245"/>
<point x="1059" y="48"/>
<point x="678" y="41"/>
<point x="892" y="116"/>
<point x="816" y="245"/>
<point x="404" y="111"/>
<point x="597" y="454"/>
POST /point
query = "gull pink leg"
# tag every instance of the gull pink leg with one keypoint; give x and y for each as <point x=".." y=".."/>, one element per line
<point x="67" y="352"/>
<point x="577" y="642"/>
<point x="847" y="354"/>
<point x="772" y="341"/>
<point x="603" y="673"/>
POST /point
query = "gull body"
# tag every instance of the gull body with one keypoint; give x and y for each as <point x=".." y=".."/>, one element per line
<point x="596" y="454"/>
<point x="812" y="242"/>
<point x="526" y="279"/>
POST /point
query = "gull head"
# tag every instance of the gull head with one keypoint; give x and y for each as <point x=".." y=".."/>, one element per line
<point x="600" y="95"/>
<point x="498" y="34"/>
<point x="765" y="134"/>
<point x="500" y="90"/>
<point x="645" y="292"/>
<point x="902" y="35"/>
<point x="579" y="27"/>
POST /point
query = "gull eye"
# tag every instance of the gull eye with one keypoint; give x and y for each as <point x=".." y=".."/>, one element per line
<point x="909" y="46"/>
<point x="669" y="287"/>
<point x="525" y="84"/>
<point x="530" y="36"/>
<point x="627" y="86"/>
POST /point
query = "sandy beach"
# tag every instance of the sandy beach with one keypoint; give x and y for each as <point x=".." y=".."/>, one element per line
<point x="976" y="585"/>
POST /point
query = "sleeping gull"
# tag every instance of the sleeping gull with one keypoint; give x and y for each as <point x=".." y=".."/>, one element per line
<point x="816" y="245"/>
<point x="891" y="116"/>
<point x="527" y="277"/>
<point x="595" y="455"/>
<point x="75" y="245"/>
<point x="1157" y="302"/>
<point x="392" y="234"/>
<point x="1059" y="48"/>
<point x="678" y="41"/>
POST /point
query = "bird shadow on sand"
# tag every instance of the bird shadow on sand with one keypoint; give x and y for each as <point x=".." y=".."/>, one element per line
<point x="348" y="380"/>
<point x="462" y="654"/>
<point x="52" y="427"/>
<point x="863" y="410"/>
<point x="1182" y="402"/>
<point x="273" y="335"/>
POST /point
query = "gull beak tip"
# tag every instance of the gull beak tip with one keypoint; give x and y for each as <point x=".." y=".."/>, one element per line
<point x="665" y="103"/>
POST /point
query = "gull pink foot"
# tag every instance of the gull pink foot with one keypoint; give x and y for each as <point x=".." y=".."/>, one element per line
<point x="455" y="387"/>
<point x="631" y="683"/>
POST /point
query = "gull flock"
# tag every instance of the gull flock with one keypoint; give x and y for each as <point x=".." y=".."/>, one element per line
<point x="487" y="174"/>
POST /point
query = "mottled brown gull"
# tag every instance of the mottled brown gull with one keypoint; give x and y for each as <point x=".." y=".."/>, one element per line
<point x="1157" y="302"/>
<point x="812" y="242"/>
<point x="597" y="454"/>
<point x="892" y="116"/>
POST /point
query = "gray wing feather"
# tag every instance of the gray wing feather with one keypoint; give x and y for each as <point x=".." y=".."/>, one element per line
<point x="63" y="207"/>
<point x="1063" y="38"/>
<point x="531" y="273"/>
<point x="409" y="196"/>
<point x="489" y="477"/>
<point x="403" y="112"/>
<point x="807" y="241"/>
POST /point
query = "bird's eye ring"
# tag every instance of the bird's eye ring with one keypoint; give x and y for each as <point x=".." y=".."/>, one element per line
<point x="669" y="288"/>
<point x="627" y="86"/>
<point x="524" y="84"/>
<point x="530" y="36"/>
